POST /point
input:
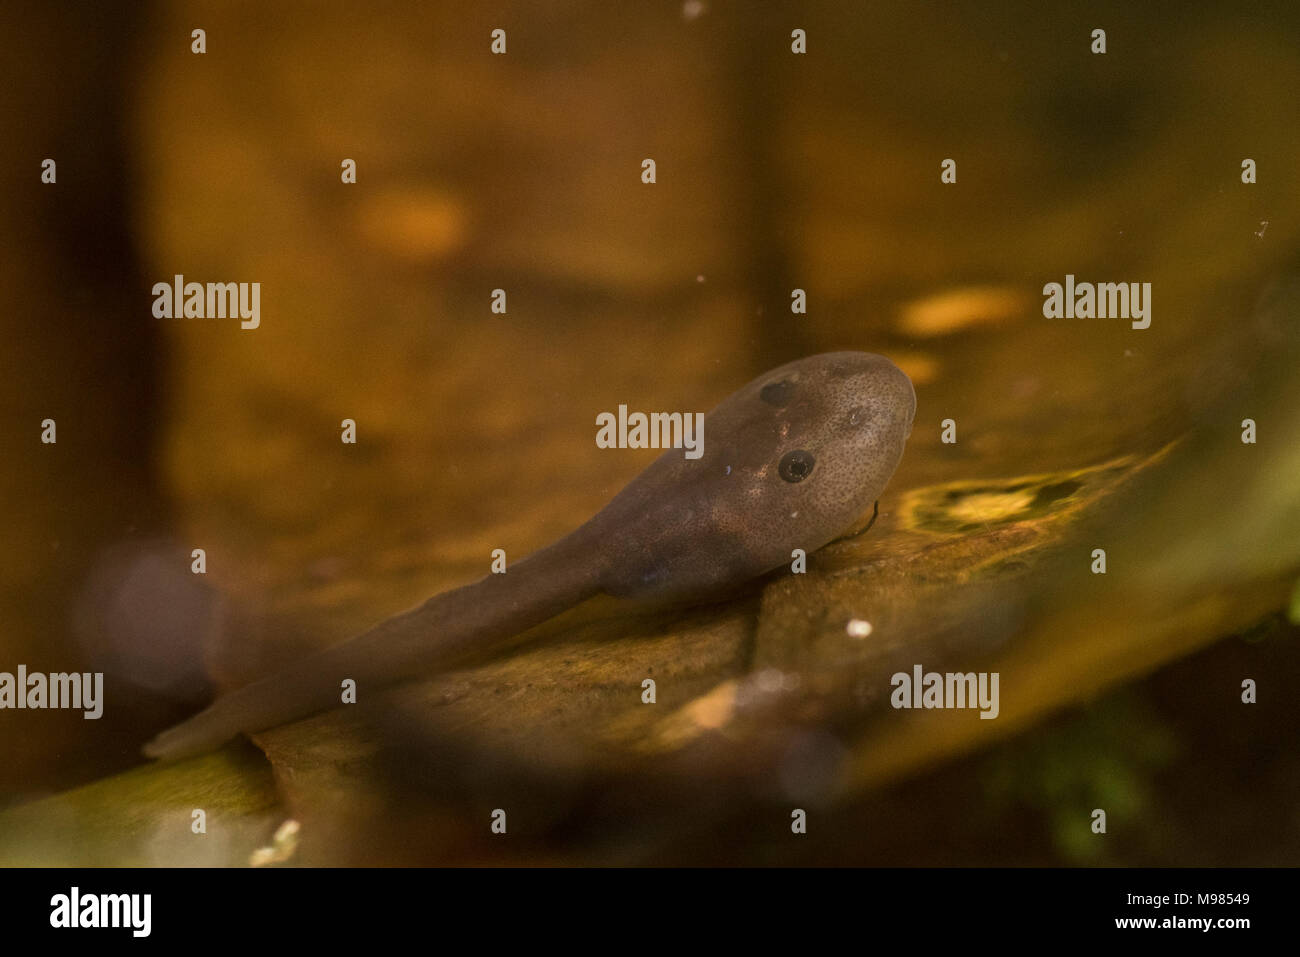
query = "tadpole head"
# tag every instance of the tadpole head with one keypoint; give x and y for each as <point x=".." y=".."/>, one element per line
<point x="834" y="428"/>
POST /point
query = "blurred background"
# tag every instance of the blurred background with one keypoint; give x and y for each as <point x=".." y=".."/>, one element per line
<point x="775" y="171"/>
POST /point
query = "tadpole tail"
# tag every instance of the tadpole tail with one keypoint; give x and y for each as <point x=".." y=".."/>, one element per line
<point x="426" y="638"/>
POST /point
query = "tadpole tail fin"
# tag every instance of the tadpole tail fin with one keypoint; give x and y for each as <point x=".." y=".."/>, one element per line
<point x="430" y="636"/>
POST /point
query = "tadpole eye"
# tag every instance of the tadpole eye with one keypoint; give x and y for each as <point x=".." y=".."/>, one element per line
<point x="776" y="393"/>
<point x="796" y="466"/>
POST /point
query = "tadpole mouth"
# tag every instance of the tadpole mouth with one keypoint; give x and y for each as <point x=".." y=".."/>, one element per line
<point x="911" y="408"/>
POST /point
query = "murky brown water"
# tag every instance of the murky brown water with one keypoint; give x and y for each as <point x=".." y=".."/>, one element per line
<point x="475" y="430"/>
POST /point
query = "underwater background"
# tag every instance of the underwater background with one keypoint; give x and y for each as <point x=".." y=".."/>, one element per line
<point x="775" y="171"/>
